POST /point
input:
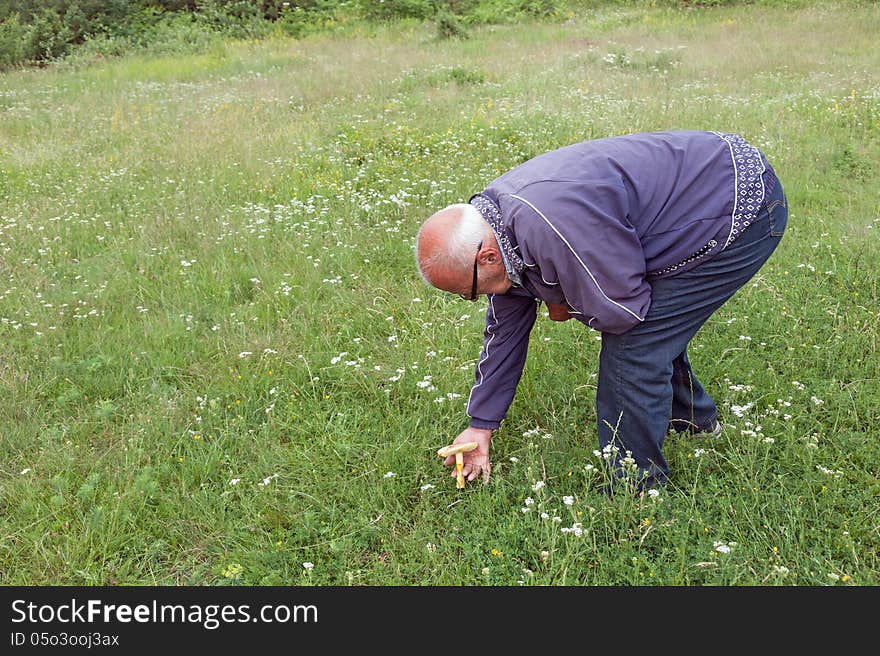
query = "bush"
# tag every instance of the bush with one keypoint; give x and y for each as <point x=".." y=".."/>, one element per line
<point x="500" y="11"/>
<point x="48" y="37"/>
<point x="31" y="31"/>
<point x="235" y="18"/>
<point x="12" y="37"/>
<point x="450" y="26"/>
<point x="391" y="9"/>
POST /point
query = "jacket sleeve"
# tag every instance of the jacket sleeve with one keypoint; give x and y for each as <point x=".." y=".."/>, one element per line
<point x="509" y="321"/>
<point x="592" y="252"/>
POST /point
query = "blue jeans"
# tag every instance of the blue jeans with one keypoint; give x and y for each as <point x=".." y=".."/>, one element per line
<point x="646" y="384"/>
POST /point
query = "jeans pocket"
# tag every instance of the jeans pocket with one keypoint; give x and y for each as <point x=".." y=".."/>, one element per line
<point x="777" y="208"/>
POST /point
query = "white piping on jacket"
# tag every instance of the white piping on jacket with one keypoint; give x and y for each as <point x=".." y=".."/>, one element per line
<point x="485" y="352"/>
<point x="590" y="273"/>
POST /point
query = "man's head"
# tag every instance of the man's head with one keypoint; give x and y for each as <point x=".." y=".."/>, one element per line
<point x="457" y="252"/>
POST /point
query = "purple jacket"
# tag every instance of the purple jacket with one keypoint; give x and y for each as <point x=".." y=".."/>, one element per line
<point x="590" y="225"/>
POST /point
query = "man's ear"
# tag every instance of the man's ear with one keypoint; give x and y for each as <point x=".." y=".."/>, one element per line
<point x="490" y="256"/>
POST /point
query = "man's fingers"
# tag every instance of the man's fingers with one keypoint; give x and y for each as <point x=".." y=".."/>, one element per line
<point x="477" y="470"/>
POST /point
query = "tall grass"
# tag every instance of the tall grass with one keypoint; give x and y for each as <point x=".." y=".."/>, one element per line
<point x="218" y="361"/>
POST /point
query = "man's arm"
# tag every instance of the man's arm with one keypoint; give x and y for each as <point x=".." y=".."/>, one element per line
<point x="509" y="320"/>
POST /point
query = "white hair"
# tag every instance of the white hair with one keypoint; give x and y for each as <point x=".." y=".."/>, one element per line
<point x="457" y="251"/>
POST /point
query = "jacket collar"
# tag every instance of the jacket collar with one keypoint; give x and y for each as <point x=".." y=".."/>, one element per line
<point x="492" y="214"/>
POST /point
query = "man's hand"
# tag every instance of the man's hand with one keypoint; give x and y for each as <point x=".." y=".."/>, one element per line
<point x="476" y="462"/>
<point x="558" y="312"/>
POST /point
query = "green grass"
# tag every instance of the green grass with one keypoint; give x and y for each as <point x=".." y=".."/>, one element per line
<point x="219" y="362"/>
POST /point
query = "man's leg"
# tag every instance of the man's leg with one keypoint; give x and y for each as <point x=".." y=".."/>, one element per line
<point x="693" y="410"/>
<point x="635" y="397"/>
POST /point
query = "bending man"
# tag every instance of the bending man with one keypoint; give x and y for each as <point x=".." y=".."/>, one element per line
<point x="641" y="237"/>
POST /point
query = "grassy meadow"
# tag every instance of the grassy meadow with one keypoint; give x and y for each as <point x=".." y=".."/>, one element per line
<point x="219" y="365"/>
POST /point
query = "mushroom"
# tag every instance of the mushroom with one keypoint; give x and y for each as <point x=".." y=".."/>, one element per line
<point x="456" y="450"/>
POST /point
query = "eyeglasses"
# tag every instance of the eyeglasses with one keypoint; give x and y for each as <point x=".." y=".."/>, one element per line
<point x="473" y="296"/>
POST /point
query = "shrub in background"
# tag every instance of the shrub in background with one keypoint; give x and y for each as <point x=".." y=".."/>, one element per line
<point x="50" y="29"/>
<point x="450" y="26"/>
<point x="12" y="37"/>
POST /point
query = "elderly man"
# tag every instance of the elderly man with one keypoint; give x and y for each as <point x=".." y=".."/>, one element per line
<point x="641" y="237"/>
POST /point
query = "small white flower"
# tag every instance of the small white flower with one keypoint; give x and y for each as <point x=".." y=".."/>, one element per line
<point x="244" y="354"/>
<point x="25" y="471"/>
<point x="568" y="500"/>
<point x="529" y="501"/>
<point x="307" y="565"/>
<point x="721" y="547"/>
<point x="816" y="400"/>
<point x="699" y="452"/>
<point x="740" y="410"/>
<point x="390" y="474"/>
<point x="537" y="486"/>
<point x="654" y="493"/>
<point x="234" y="481"/>
<point x="427" y="486"/>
